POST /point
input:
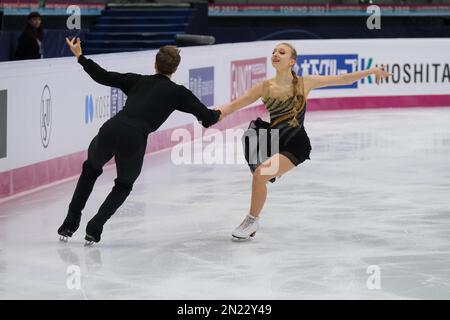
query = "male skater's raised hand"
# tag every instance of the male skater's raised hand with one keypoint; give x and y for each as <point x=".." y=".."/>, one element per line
<point x="75" y="47"/>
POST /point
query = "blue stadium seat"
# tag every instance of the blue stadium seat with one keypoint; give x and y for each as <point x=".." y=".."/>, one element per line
<point x="134" y="29"/>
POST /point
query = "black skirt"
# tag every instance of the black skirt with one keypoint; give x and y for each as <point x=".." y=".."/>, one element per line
<point x="294" y="142"/>
<point x="261" y="141"/>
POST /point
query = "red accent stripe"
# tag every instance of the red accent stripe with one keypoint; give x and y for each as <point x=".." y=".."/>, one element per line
<point x="39" y="174"/>
<point x="438" y="100"/>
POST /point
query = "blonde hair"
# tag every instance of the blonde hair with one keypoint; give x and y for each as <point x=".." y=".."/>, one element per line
<point x="297" y="104"/>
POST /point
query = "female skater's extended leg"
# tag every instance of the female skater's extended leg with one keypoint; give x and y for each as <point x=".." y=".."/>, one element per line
<point x="275" y="166"/>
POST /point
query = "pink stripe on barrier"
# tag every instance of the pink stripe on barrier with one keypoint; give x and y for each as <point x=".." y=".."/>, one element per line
<point x="39" y="174"/>
<point x="5" y="184"/>
<point x="442" y="100"/>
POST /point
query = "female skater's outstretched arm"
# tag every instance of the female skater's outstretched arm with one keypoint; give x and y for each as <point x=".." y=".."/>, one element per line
<point x="310" y="82"/>
<point x="253" y="94"/>
<point x="124" y="81"/>
<point x="314" y="82"/>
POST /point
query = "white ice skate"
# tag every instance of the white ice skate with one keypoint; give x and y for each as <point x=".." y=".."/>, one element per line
<point x="247" y="228"/>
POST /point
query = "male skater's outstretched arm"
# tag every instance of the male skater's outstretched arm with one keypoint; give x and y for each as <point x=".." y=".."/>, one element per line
<point x="124" y="81"/>
<point x="187" y="101"/>
<point x="191" y="104"/>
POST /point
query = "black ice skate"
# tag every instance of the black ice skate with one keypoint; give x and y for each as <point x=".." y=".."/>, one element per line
<point x="93" y="234"/>
<point x="69" y="226"/>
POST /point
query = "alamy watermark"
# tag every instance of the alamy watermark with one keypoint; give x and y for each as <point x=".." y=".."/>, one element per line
<point x="374" y="21"/>
<point x="73" y="281"/>
<point x="374" y="280"/>
<point x="213" y="146"/>
<point x="74" y="20"/>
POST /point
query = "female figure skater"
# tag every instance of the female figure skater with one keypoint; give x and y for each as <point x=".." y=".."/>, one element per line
<point x="151" y="99"/>
<point x="285" y="98"/>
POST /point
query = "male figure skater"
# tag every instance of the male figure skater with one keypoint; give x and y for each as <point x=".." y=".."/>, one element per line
<point x="151" y="99"/>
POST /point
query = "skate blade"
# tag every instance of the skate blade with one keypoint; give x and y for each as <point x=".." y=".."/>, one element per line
<point x="63" y="238"/>
<point x="243" y="239"/>
<point x="90" y="240"/>
<point x="88" y="243"/>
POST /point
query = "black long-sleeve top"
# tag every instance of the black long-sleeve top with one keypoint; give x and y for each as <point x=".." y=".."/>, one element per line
<point x="151" y="98"/>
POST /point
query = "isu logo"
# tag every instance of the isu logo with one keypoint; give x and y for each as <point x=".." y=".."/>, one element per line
<point x="46" y="116"/>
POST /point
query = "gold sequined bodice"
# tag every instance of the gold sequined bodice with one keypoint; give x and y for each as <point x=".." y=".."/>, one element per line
<point x="281" y="108"/>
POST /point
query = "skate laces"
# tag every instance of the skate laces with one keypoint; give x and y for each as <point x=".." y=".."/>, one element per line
<point x="247" y="222"/>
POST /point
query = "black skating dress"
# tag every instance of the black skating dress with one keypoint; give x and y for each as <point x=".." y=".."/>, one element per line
<point x="294" y="142"/>
<point x="285" y="134"/>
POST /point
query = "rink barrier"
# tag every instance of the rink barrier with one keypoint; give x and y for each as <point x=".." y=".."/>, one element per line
<point x="39" y="153"/>
<point x="26" y="178"/>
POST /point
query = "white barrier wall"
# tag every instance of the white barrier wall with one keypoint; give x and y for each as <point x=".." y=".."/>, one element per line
<point x="54" y="109"/>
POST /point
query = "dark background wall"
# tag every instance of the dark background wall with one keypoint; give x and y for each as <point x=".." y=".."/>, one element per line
<point x="242" y="29"/>
<point x="239" y="29"/>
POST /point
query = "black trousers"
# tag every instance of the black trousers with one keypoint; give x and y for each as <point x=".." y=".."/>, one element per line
<point x="127" y="145"/>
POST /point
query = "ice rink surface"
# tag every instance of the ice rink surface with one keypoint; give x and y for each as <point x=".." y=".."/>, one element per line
<point x="375" y="196"/>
